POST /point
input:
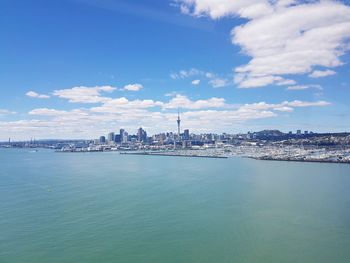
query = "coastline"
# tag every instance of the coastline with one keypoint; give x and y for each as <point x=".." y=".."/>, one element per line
<point x="205" y="155"/>
<point x="298" y="160"/>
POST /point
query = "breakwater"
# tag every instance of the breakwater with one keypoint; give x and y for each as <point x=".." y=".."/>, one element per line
<point x="175" y="155"/>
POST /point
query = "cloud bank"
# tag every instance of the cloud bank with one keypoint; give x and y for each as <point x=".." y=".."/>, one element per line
<point x="111" y="113"/>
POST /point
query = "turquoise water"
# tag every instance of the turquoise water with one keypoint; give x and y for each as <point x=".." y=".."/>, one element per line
<point x="106" y="207"/>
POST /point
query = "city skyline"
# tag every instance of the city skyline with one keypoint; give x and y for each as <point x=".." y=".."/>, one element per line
<point x="82" y="68"/>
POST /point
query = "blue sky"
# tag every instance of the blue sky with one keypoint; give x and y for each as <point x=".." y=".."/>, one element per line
<point x="82" y="68"/>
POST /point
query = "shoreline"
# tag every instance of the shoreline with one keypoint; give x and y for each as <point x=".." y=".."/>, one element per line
<point x="297" y="160"/>
<point x="202" y="156"/>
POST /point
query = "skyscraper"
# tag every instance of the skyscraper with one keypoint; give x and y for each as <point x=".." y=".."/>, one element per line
<point x="111" y="136"/>
<point x="102" y="139"/>
<point x="121" y="133"/>
<point x="117" y="138"/>
<point x="141" y="135"/>
<point x="186" y="134"/>
<point x="125" y="136"/>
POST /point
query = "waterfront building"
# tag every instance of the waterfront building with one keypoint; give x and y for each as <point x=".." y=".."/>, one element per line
<point x="186" y="144"/>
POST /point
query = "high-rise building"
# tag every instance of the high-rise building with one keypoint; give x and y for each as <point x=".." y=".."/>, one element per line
<point x="117" y="138"/>
<point x="121" y="133"/>
<point x="102" y="139"/>
<point x="141" y="135"/>
<point x="186" y="134"/>
<point x="298" y="132"/>
<point x="111" y="137"/>
<point x="125" y="137"/>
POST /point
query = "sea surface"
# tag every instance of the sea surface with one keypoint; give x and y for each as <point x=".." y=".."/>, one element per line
<point x="106" y="207"/>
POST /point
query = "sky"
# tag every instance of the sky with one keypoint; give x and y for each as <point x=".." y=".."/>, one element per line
<point x="83" y="68"/>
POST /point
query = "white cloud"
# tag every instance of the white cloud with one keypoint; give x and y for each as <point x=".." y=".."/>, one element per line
<point x="246" y="81"/>
<point x="180" y="101"/>
<point x="182" y="74"/>
<point x="213" y="79"/>
<point x="133" y="87"/>
<point x="298" y="103"/>
<point x="84" y="94"/>
<point x="282" y="37"/>
<point x="283" y="82"/>
<point x="122" y="104"/>
<point x="33" y="94"/>
<point x="210" y="120"/>
<point x="283" y="109"/>
<point x="209" y="75"/>
<point x="196" y="82"/>
<point x="184" y="9"/>
<point x="284" y="106"/>
<point x="298" y="38"/>
<point x="219" y="8"/>
<point x="58" y="113"/>
<point x="218" y="82"/>
<point x="322" y="73"/>
<point x="46" y="112"/>
<point x="171" y="94"/>
<point x="284" y="3"/>
<point x="304" y="87"/>
<point x="6" y="112"/>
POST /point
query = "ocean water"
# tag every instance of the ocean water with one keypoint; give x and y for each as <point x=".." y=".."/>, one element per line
<point x="106" y="207"/>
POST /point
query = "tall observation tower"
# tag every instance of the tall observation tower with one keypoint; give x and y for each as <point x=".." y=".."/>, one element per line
<point x="178" y="122"/>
